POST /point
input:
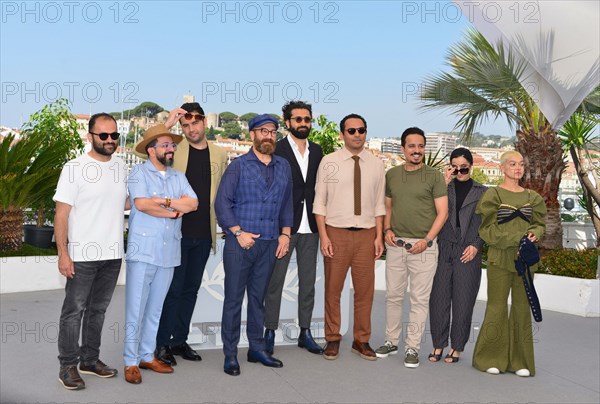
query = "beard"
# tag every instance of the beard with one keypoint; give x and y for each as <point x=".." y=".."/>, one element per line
<point x="163" y="159"/>
<point x="301" y="132"/>
<point x="266" y="146"/>
<point x="100" y="148"/>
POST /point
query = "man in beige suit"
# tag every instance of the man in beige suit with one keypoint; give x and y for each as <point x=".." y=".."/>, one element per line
<point x="203" y="164"/>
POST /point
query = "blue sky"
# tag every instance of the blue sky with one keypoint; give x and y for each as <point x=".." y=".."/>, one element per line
<point x="367" y="57"/>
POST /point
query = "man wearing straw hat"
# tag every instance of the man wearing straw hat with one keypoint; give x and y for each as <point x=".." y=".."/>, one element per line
<point x="159" y="197"/>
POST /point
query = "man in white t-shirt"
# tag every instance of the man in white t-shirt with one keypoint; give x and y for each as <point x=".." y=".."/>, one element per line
<point x="91" y="196"/>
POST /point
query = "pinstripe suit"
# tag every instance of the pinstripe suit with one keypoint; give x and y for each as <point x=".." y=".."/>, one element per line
<point x="455" y="284"/>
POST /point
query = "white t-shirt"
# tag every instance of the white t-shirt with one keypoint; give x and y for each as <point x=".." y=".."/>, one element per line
<point x="97" y="192"/>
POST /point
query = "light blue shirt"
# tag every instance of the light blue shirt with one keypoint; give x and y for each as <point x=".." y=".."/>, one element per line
<point x="155" y="240"/>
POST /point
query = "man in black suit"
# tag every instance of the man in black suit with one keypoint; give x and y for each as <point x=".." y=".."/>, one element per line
<point x="304" y="157"/>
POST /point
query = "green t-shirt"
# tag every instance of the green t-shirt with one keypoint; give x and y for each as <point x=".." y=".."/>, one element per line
<point x="413" y="194"/>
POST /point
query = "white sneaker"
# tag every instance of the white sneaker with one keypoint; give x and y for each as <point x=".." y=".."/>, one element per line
<point x="523" y="373"/>
<point x="494" y="371"/>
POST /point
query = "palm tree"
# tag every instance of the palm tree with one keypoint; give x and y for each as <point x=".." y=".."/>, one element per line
<point x="577" y="135"/>
<point x="28" y="173"/>
<point x="483" y="84"/>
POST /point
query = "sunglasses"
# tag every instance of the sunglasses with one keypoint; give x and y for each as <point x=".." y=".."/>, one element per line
<point x="104" y="135"/>
<point x="361" y="130"/>
<point x="299" y="119"/>
<point x="166" y="145"/>
<point x="463" y="171"/>
<point x="402" y="243"/>
<point x="195" y="117"/>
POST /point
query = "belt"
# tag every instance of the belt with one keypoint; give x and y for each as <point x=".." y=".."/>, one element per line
<point x="354" y="228"/>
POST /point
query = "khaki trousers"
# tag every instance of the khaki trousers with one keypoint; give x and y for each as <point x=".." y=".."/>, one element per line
<point x="400" y="269"/>
<point x="356" y="250"/>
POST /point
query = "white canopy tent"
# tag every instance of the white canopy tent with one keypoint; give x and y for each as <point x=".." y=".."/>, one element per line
<point x="558" y="41"/>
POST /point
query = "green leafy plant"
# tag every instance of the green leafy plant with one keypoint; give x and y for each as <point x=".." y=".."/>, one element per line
<point x="327" y="136"/>
<point x="59" y="129"/>
<point x="30" y="167"/>
<point x="574" y="263"/>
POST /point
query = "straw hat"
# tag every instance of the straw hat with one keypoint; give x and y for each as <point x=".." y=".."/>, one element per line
<point x="154" y="133"/>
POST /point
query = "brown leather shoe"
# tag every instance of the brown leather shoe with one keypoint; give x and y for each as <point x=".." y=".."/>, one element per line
<point x="157" y="366"/>
<point x="99" y="369"/>
<point x="70" y="379"/>
<point x="364" y="350"/>
<point x="332" y="350"/>
<point x="133" y="375"/>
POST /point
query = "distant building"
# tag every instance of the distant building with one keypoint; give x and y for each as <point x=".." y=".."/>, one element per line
<point x="189" y="98"/>
<point x="212" y="119"/>
<point x="443" y="142"/>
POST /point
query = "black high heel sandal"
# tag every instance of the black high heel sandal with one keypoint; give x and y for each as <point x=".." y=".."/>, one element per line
<point x="437" y="357"/>
<point x="453" y="359"/>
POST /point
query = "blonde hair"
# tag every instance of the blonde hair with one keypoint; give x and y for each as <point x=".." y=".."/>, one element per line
<point x="506" y="155"/>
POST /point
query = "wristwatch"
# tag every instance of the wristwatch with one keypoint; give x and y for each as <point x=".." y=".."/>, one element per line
<point x="237" y="233"/>
<point x="429" y="242"/>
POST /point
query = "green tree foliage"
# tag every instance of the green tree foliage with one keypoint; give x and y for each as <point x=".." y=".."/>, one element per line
<point x="30" y="168"/>
<point x="327" y="135"/>
<point x="232" y="130"/>
<point x="247" y="116"/>
<point x="227" y="117"/>
<point x="210" y="134"/>
<point x="479" y="176"/>
<point x="148" y="109"/>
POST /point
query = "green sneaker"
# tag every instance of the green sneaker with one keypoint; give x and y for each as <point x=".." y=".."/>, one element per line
<point x="411" y="358"/>
<point x="386" y="349"/>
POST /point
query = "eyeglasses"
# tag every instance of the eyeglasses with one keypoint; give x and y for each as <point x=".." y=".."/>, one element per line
<point x="361" y="130"/>
<point x="402" y="243"/>
<point x="104" y="135"/>
<point x="299" y="119"/>
<point x="195" y="117"/>
<point x="166" y="145"/>
<point x="463" y="171"/>
<point x="267" y="132"/>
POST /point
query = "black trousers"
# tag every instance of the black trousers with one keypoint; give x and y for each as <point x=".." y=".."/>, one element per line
<point x="454" y="290"/>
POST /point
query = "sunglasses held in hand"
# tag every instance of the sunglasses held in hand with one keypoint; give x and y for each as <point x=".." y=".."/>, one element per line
<point x="463" y="171"/>
<point x="195" y="117"/>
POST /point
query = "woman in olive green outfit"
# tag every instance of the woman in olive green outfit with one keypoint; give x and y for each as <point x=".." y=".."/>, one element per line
<point x="508" y="212"/>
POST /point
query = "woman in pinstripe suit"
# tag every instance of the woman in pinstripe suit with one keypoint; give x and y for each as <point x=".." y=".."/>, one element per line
<point x="458" y="274"/>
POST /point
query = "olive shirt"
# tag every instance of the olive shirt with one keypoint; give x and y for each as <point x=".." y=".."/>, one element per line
<point x="413" y="196"/>
<point x="503" y="239"/>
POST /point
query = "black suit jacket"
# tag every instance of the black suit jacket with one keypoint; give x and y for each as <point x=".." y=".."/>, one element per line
<point x="302" y="192"/>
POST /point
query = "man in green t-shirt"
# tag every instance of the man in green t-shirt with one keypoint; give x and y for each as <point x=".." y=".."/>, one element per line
<point x="416" y="205"/>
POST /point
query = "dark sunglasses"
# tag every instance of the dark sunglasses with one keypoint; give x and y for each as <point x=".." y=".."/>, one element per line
<point x="195" y="117"/>
<point x="463" y="171"/>
<point x="104" y="135"/>
<point x="361" y="130"/>
<point x="299" y="119"/>
<point x="402" y="243"/>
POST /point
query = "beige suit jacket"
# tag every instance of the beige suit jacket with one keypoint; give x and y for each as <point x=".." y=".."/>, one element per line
<point x="218" y="163"/>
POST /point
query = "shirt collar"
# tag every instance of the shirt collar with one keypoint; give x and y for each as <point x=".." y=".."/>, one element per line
<point x="295" y="145"/>
<point x="252" y="156"/>
<point x="150" y="167"/>
<point x="347" y="155"/>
